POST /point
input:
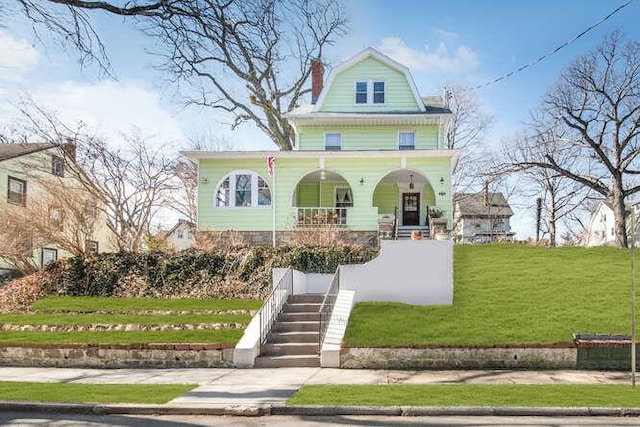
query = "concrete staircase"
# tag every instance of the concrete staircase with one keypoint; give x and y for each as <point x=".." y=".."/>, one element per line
<point x="294" y="338"/>
<point x="404" y="232"/>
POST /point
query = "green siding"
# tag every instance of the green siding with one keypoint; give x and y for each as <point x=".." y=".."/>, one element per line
<point x="368" y="137"/>
<point x="289" y="171"/>
<point x="385" y="197"/>
<point x="340" y="97"/>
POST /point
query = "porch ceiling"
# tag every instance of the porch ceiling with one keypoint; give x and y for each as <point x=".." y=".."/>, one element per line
<point x="403" y="176"/>
<point x="316" y="176"/>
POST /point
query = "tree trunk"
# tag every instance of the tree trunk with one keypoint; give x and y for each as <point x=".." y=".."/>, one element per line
<point x="619" y="213"/>
<point x="552" y="223"/>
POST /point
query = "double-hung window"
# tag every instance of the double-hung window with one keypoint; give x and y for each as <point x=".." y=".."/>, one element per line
<point x="332" y="141"/>
<point x="48" y="255"/>
<point x="57" y="166"/>
<point x="369" y="92"/>
<point x="242" y="189"/>
<point x="17" y="191"/>
<point x="406" y="140"/>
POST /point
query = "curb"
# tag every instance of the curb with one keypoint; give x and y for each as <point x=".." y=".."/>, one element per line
<point x="309" y="410"/>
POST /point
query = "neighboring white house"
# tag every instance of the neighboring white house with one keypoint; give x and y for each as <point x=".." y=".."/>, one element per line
<point x="481" y="218"/>
<point x="601" y="229"/>
<point x="181" y="236"/>
<point x="28" y="174"/>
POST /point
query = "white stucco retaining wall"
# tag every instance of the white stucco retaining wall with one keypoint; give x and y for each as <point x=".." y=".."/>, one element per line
<point x="330" y="352"/>
<point x="413" y="272"/>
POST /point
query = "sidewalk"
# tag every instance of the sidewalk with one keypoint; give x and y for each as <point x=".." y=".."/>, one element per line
<point x="256" y="388"/>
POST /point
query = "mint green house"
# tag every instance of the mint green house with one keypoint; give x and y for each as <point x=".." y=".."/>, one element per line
<point x="369" y="156"/>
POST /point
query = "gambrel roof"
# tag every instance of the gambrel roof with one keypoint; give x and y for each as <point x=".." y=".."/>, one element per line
<point x="474" y="204"/>
<point x="371" y="53"/>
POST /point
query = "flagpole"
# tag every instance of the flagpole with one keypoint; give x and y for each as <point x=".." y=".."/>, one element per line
<point x="273" y="209"/>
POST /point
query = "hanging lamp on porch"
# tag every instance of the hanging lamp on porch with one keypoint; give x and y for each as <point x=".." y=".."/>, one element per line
<point x="411" y="185"/>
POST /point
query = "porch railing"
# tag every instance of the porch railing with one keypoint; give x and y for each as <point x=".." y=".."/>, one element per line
<point x="326" y="309"/>
<point x="321" y="216"/>
<point x="273" y="305"/>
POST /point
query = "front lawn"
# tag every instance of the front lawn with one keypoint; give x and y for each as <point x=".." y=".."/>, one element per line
<point x="555" y="395"/>
<point x="509" y="294"/>
<point x="81" y="320"/>
<point x="92" y="393"/>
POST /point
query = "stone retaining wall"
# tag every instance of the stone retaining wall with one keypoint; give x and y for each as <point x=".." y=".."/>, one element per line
<point x="459" y="358"/>
<point x="118" y="356"/>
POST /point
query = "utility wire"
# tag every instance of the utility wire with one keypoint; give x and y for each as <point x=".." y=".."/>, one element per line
<point x="548" y="54"/>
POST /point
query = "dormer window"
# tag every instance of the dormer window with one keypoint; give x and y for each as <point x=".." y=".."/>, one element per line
<point x="369" y="92"/>
<point x="361" y="92"/>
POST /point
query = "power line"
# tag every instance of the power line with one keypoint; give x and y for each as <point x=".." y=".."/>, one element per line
<point x="557" y="49"/>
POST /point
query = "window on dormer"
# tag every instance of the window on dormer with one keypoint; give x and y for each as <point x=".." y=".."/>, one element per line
<point x="369" y="92"/>
<point x="378" y="92"/>
<point x="361" y="92"/>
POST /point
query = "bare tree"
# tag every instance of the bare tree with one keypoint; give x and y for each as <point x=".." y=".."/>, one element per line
<point x="248" y="58"/>
<point x="561" y="196"/>
<point x="466" y="130"/>
<point x="129" y="183"/>
<point x="596" y="105"/>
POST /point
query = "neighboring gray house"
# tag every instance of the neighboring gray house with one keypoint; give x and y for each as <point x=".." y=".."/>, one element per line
<point x="481" y="218"/>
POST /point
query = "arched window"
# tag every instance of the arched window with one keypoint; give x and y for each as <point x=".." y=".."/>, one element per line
<point x="242" y="189"/>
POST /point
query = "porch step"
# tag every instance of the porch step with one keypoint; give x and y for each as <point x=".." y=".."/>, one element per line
<point x="404" y="232"/>
<point x="292" y="361"/>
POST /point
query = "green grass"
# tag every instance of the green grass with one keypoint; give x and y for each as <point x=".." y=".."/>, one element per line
<point x="564" y="395"/>
<point x="150" y="319"/>
<point x="53" y="303"/>
<point x="221" y="336"/>
<point x="509" y="294"/>
<point x="92" y="393"/>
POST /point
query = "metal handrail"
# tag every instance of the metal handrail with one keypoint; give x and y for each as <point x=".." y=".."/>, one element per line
<point x="273" y="305"/>
<point x="396" y="223"/>
<point x="327" y="306"/>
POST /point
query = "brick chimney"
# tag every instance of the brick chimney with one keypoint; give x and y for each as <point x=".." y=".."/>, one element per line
<point x="317" y="75"/>
<point x="70" y="149"/>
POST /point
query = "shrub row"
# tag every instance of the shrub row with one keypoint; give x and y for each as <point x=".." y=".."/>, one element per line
<point x="230" y="273"/>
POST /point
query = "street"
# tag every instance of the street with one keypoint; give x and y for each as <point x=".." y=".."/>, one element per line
<point x="58" y="420"/>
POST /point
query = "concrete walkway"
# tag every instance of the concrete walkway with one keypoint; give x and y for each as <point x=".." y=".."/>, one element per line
<point x="260" y="387"/>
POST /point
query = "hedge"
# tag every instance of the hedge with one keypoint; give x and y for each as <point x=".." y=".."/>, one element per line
<point x="230" y="273"/>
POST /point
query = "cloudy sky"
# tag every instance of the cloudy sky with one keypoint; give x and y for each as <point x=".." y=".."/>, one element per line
<point x="467" y="43"/>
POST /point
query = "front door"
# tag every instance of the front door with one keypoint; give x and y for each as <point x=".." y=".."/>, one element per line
<point x="410" y="208"/>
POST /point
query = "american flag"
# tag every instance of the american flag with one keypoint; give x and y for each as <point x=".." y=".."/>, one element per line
<point x="271" y="163"/>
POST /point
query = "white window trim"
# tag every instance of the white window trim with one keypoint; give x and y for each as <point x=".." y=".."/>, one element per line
<point x="406" y="131"/>
<point x="232" y="190"/>
<point x="369" y="83"/>
<point x="333" y="133"/>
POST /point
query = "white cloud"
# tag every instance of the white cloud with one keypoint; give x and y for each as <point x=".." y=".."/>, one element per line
<point x="441" y="59"/>
<point x="18" y="57"/>
<point x="111" y="108"/>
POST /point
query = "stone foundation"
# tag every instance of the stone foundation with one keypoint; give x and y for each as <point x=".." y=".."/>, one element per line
<point x="118" y="356"/>
<point x="265" y="238"/>
<point x="459" y="358"/>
